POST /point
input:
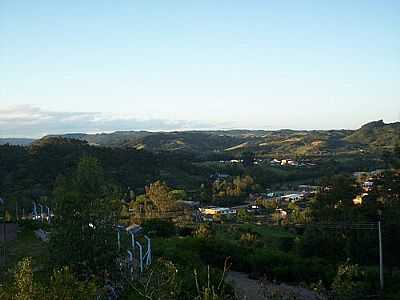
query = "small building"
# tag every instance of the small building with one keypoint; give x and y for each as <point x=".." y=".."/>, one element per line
<point x="367" y="185"/>
<point x="213" y="210"/>
<point x="292" y="197"/>
<point x="235" y="161"/>
<point x="275" y="162"/>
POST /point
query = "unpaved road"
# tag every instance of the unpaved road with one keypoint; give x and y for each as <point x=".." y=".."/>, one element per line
<point x="250" y="289"/>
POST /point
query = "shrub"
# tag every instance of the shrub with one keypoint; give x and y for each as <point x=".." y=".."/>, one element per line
<point x="159" y="227"/>
<point x="248" y="238"/>
<point x="349" y="282"/>
<point x="203" y="231"/>
<point x="286" y="244"/>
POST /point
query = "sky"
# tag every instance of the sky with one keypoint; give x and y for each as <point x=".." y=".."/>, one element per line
<point x="100" y="66"/>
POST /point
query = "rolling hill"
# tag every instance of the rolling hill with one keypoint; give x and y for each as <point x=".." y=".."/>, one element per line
<point x="370" y="137"/>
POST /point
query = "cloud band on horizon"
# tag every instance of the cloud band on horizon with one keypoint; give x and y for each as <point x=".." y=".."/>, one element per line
<point x="32" y="121"/>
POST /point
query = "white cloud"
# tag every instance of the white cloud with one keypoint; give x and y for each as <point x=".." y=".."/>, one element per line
<point x="32" y="121"/>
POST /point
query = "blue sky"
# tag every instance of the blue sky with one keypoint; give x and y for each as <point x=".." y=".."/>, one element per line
<point x="164" y="65"/>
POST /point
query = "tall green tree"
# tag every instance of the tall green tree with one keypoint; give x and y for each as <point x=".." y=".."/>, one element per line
<point x="248" y="158"/>
<point x="85" y="215"/>
<point x="335" y="201"/>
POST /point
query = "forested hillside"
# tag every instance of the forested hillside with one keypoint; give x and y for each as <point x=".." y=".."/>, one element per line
<point x="30" y="172"/>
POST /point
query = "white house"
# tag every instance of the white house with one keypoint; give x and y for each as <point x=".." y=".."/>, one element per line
<point x="212" y="210"/>
<point x="292" y="197"/>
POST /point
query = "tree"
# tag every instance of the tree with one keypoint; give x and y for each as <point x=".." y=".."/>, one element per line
<point x="396" y="155"/>
<point x="162" y="197"/>
<point x="204" y="231"/>
<point x="24" y="280"/>
<point x="336" y="198"/>
<point x="64" y="285"/>
<point x="61" y="285"/>
<point x="178" y="195"/>
<point x="85" y="215"/>
<point x="248" y="158"/>
<point x="243" y="215"/>
<point x="397" y="151"/>
<point x="160" y="281"/>
<point x="387" y="159"/>
<point x="349" y="282"/>
<point x="206" y="193"/>
<point x="7" y="216"/>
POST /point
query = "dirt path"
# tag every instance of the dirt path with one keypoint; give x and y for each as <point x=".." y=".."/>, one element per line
<point x="250" y="289"/>
<point x="245" y="288"/>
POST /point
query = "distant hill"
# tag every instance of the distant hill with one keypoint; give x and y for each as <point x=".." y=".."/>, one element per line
<point x="376" y="134"/>
<point x="371" y="136"/>
<point x="16" y="141"/>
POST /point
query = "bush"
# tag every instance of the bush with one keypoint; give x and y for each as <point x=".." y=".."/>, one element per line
<point x="349" y="283"/>
<point x="61" y="285"/>
<point x="33" y="225"/>
<point x="203" y="231"/>
<point x="322" y="243"/>
<point x="248" y="239"/>
<point x="158" y="227"/>
<point x="185" y="231"/>
<point x="286" y="244"/>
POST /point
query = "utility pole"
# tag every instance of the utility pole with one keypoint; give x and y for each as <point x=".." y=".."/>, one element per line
<point x="380" y="249"/>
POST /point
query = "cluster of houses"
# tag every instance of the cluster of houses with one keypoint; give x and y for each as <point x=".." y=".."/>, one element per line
<point x="282" y="198"/>
<point x="366" y="181"/>
<point x="284" y="162"/>
<point x="232" y="161"/>
<point x="208" y="213"/>
<point x="290" y="163"/>
<point x="302" y="192"/>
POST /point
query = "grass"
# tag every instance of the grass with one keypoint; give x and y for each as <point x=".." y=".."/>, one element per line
<point x="267" y="235"/>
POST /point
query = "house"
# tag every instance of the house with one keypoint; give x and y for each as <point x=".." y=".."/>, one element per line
<point x="292" y="197"/>
<point x="213" y="210"/>
<point x="275" y="162"/>
<point x="375" y="173"/>
<point x="289" y="162"/>
<point x="367" y="185"/>
<point x="284" y="162"/>
<point x="275" y="194"/>
<point x="235" y="161"/>
<point x="292" y="163"/>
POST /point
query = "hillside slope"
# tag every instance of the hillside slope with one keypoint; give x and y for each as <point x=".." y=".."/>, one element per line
<point x="376" y="134"/>
<point x="371" y="136"/>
